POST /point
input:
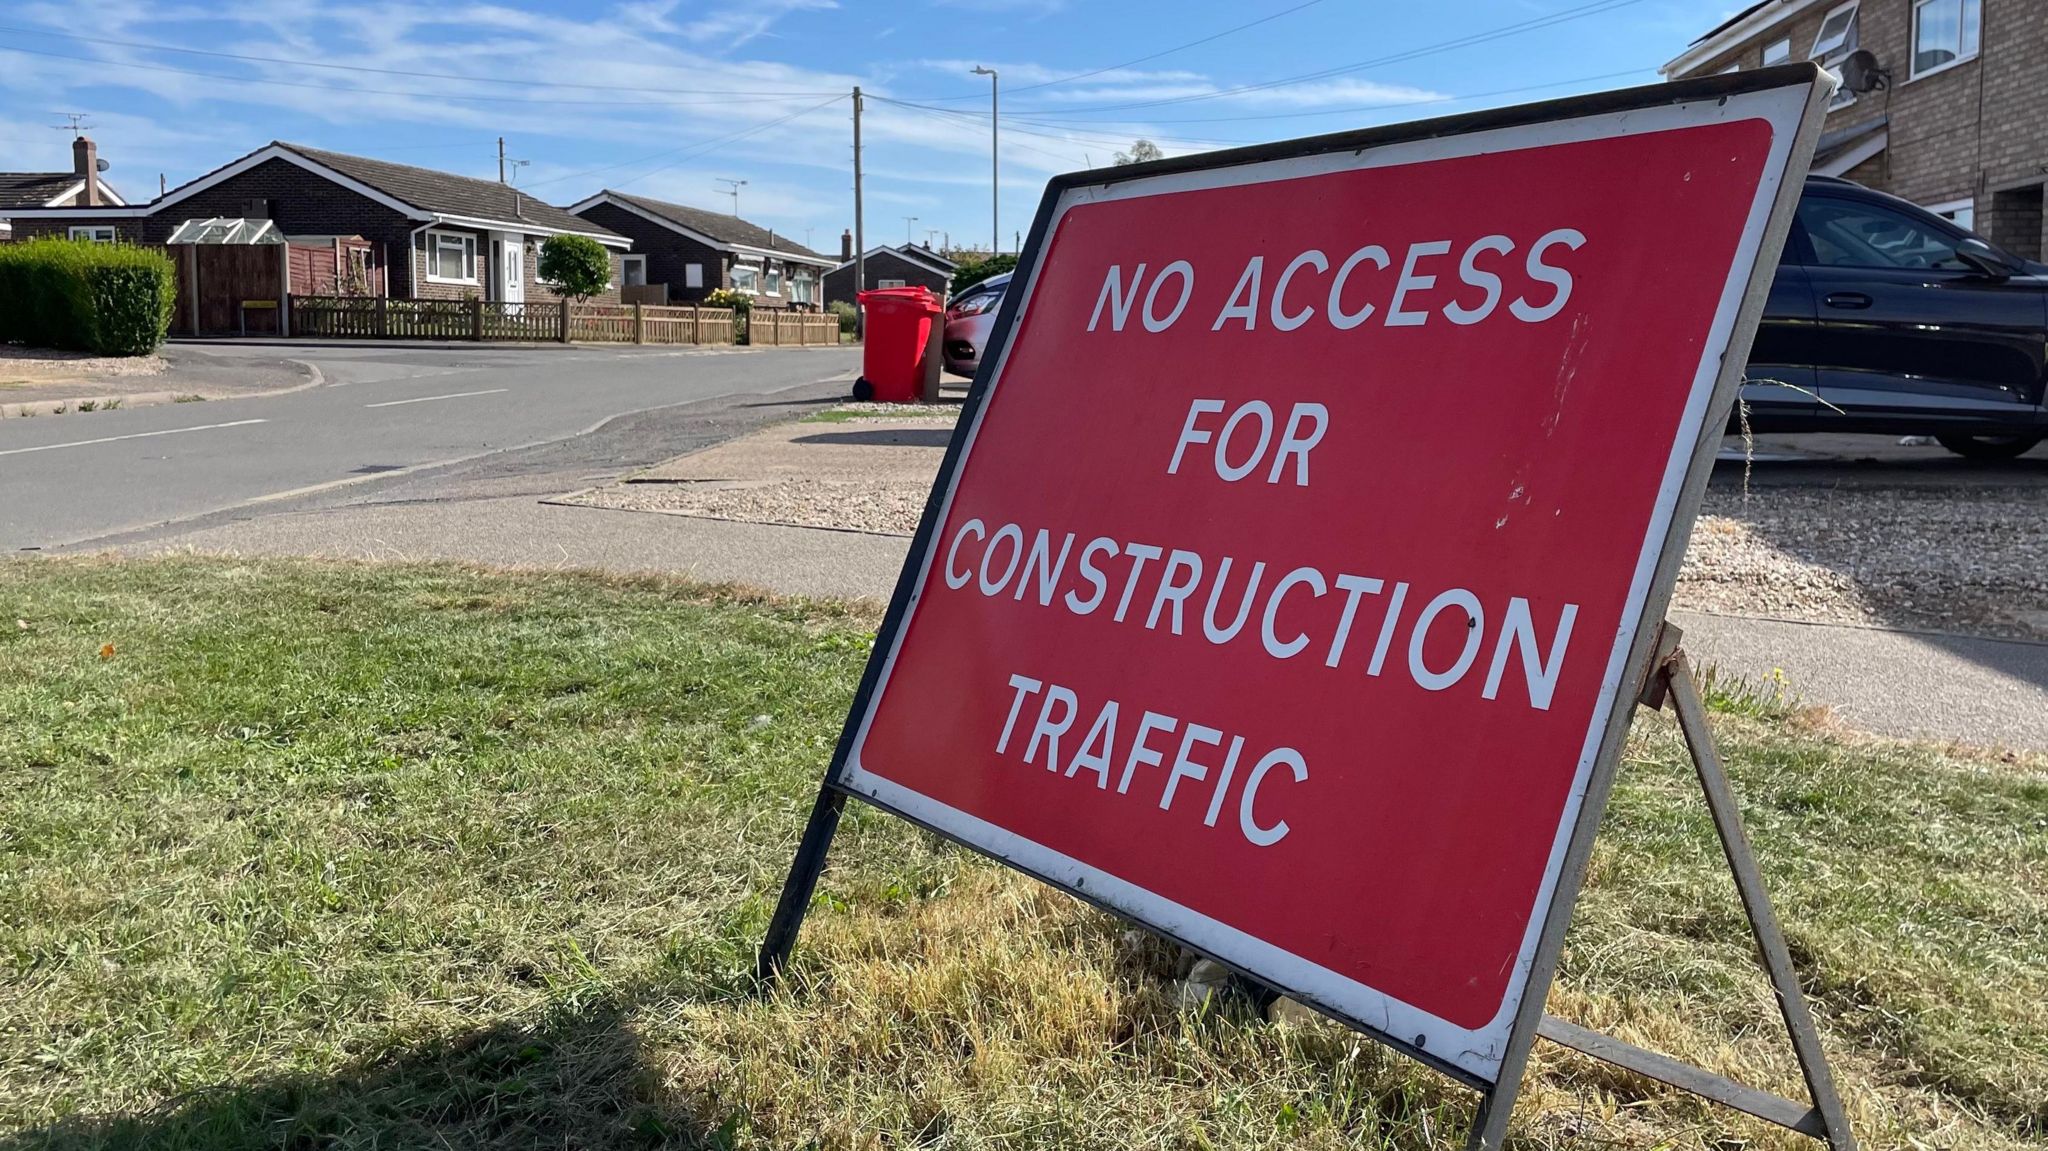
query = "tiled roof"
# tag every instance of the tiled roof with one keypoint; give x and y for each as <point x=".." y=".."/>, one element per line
<point x="447" y="193"/>
<point x="726" y="229"/>
<point x="33" y="189"/>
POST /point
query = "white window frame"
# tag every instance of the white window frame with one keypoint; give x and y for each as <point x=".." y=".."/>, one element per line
<point x="95" y="233"/>
<point x="1964" y="52"/>
<point x="1947" y="209"/>
<point x="771" y="282"/>
<point x="1822" y="47"/>
<point x="879" y="284"/>
<point x="693" y="275"/>
<point x="1735" y="67"/>
<point x="803" y="287"/>
<point x="435" y="243"/>
<point x="1783" y="46"/>
<point x="752" y="286"/>
<point x="626" y="263"/>
<point x="1839" y="45"/>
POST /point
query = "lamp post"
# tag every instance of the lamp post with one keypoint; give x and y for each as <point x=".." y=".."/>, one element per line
<point x="995" y="163"/>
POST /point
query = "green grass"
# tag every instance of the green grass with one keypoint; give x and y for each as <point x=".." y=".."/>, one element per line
<point x="336" y="856"/>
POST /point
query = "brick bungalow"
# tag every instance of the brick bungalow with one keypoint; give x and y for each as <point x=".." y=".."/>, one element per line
<point x="81" y="185"/>
<point x="696" y="251"/>
<point x="904" y="266"/>
<point x="427" y="234"/>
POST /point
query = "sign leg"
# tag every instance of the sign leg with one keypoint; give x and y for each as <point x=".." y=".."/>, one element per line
<point x="802" y="881"/>
<point x="1756" y="901"/>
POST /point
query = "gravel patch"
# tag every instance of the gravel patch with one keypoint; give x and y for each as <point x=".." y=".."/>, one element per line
<point x="1953" y="559"/>
<point x="1950" y="558"/>
<point x="36" y="365"/>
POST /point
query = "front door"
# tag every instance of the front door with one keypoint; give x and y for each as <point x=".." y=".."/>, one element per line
<point x="512" y="273"/>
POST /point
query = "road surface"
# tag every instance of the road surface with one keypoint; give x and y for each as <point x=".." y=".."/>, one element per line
<point x="383" y="414"/>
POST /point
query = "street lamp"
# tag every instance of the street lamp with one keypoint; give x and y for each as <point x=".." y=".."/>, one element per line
<point x="995" y="174"/>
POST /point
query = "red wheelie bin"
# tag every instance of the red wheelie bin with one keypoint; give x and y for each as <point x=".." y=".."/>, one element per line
<point x="898" y="335"/>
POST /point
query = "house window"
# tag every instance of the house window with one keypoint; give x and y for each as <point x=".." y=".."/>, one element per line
<point x="451" y="257"/>
<point x="773" y="282"/>
<point x="1963" y="213"/>
<point x="1832" y="44"/>
<point x="1945" y="33"/>
<point x="634" y="270"/>
<point x="803" y="288"/>
<point x="1777" y="51"/>
<point x="888" y="283"/>
<point x="693" y="275"/>
<point x="94" y="233"/>
<point x="1735" y="67"/>
<point x="746" y="278"/>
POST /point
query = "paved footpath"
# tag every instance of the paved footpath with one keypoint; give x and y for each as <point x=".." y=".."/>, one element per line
<point x="1928" y="686"/>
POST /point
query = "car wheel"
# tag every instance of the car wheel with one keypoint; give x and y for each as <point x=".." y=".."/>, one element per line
<point x="862" y="390"/>
<point x="1988" y="447"/>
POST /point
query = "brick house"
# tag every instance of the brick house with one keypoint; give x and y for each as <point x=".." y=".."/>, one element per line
<point x="81" y="185"/>
<point x="904" y="266"/>
<point x="425" y="234"/>
<point x="696" y="251"/>
<point x="1960" y="122"/>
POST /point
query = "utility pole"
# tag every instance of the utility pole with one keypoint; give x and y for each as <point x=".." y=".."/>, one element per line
<point x="995" y="162"/>
<point x="501" y="159"/>
<point x="860" y="242"/>
<point x="732" y="189"/>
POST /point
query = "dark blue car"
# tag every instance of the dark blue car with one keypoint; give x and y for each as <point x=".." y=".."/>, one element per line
<point x="1887" y="318"/>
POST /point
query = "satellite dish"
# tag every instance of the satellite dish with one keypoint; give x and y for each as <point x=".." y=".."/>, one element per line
<point x="101" y="165"/>
<point x="1860" y="72"/>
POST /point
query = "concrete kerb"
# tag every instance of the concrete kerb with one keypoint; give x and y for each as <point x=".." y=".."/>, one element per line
<point x="314" y="378"/>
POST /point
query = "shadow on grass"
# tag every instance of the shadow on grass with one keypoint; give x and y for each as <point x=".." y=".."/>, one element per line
<point x="575" y="1079"/>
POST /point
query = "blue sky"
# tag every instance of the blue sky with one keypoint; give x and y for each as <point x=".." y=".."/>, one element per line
<point x="665" y="98"/>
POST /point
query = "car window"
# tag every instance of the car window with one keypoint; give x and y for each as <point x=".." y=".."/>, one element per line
<point x="1847" y="234"/>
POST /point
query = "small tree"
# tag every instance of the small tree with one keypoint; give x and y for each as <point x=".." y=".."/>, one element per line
<point x="575" y="266"/>
<point x="974" y="272"/>
<point x="1144" y="151"/>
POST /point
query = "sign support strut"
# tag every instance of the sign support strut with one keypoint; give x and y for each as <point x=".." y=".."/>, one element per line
<point x="1671" y="681"/>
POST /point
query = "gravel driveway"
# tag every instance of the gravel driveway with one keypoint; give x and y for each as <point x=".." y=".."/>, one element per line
<point x="1884" y="550"/>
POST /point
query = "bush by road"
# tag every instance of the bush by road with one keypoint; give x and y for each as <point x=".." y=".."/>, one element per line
<point x="107" y="299"/>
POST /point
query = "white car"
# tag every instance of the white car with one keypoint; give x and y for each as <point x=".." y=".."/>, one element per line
<point x="969" y="321"/>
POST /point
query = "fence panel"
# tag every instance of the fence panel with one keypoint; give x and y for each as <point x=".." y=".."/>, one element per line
<point x="357" y="317"/>
<point x="779" y="329"/>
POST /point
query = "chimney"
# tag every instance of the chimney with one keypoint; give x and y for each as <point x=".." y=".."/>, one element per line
<point x="846" y="245"/>
<point x="85" y="162"/>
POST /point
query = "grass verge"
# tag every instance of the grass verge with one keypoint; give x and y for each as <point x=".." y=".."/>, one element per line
<point x="313" y="855"/>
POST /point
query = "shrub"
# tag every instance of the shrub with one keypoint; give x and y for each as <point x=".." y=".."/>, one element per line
<point x="975" y="271"/>
<point x="742" y="306"/>
<point x="107" y="299"/>
<point x="575" y="266"/>
<point x="849" y="315"/>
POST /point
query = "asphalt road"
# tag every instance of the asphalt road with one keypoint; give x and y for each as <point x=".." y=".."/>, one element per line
<point x="383" y="415"/>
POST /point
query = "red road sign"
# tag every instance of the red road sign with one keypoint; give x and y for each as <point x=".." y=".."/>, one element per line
<point x="1308" y="531"/>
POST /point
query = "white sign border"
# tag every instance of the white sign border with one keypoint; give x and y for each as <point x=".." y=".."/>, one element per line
<point x="1476" y="1053"/>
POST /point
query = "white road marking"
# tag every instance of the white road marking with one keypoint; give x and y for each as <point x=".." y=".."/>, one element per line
<point x="424" y="399"/>
<point x="129" y="436"/>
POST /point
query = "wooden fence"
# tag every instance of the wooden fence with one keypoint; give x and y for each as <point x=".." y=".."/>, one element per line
<point x="767" y="329"/>
<point x="650" y="324"/>
<point x="558" y="321"/>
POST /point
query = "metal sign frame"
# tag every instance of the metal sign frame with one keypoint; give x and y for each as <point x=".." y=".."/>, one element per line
<point x="1652" y="668"/>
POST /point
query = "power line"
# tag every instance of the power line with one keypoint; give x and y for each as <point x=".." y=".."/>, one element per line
<point x="355" y="91"/>
<point x="1153" y="56"/>
<point x="686" y="151"/>
<point x="385" y="71"/>
<point x="1580" y="12"/>
<point x="1053" y="123"/>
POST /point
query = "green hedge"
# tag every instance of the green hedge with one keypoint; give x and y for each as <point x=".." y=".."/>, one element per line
<point x="107" y="299"/>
